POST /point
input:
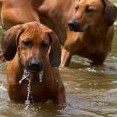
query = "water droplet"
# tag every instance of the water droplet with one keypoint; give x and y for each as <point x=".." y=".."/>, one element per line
<point x="40" y="76"/>
<point x="25" y="75"/>
<point x="29" y="97"/>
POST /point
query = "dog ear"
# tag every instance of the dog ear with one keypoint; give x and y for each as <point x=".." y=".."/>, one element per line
<point x="110" y="12"/>
<point x="9" y="42"/>
<point x="55" y="52"/>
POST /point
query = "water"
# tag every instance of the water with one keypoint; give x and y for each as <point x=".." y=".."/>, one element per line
<point x="28" y="76"/>
<point x="90" y="91"/>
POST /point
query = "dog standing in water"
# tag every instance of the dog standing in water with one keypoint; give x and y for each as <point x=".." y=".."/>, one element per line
<point x="33" y="54"/>
<point x="92" y="31"/>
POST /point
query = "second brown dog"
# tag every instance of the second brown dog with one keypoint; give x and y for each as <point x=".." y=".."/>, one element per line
<point x="93" y="25"/>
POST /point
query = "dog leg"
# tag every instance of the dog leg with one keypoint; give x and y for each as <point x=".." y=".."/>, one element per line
<point x="65" y="58"/>
<point x="60" y="98"/>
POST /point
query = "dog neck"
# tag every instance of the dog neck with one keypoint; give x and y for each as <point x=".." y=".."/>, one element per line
<point x="97" y="32"/>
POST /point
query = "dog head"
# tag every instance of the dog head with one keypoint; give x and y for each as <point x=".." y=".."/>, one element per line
<point x="35" y="44"/>
<point x="90" y="13"/>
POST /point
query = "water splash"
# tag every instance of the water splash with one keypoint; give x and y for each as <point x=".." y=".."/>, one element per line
<point x="29" y="97"/>
<point x="26" y="75"/>
<point x="2" y="88"/>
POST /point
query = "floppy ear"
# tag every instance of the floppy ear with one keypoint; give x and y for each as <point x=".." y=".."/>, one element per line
<point x="110" y="12"/>
<point x="9" y="42"/>
<point x="55" y="52"/>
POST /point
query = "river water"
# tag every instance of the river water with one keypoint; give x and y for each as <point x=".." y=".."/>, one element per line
<point x="90" y="91"/>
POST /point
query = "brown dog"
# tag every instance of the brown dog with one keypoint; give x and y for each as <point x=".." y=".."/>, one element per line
<point x="33" y="52"/>
<point x="93" y="25"/>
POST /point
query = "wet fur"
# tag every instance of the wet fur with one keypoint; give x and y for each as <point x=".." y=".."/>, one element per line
<point x="33" y="41"/>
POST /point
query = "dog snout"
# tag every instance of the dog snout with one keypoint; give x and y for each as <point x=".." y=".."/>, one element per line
<point x="73" y="25"/>
<point x="35" y="64"/>
<point x="77" y="26"/>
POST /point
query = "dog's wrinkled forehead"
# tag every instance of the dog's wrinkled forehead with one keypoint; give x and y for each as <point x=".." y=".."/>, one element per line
<point x="34" y="30"/>
<point x="88" y="1"/>
<point x="85" y="3"/>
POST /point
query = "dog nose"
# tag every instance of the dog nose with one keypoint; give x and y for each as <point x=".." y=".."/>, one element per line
<point x="35" y="64"/>
<point x="73" y="25"/>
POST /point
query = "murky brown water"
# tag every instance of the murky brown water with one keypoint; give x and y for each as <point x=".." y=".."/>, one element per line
<point x="91" y="91"/>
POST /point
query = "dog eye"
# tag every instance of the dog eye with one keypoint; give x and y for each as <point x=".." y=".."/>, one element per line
<point x="45" y="44"/>
<point x="90" y="9"/>
<point x="27" y="43"/>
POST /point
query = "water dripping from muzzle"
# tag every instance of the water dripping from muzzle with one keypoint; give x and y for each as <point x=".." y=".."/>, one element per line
<point x="27" y="75"/>
<point x="40" y="76"/>
<point x="29" y="97"/>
